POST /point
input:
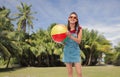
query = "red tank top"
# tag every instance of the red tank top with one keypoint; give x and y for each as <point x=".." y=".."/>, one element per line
<point x="76" y="31"/>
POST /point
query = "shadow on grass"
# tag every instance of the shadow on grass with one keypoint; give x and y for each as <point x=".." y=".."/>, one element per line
<point x="10" y="69"/>
<point x="6" y="69"/>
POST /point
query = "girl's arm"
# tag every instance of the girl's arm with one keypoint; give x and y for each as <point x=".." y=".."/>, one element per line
<point x="78" y="39"/>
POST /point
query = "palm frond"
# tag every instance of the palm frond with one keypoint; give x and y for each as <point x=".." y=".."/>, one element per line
<point x="4" y="50"/>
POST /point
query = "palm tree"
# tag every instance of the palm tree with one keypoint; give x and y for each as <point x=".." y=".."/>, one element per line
<point x="8" y="46"/>
<point x="117" y="55"/>
<point x="5" y="20"/>
<point x="92" y="45"/>
<point x="44" y="48"/>
<point x="25" y="17"/>
<point x="4" y="25"/>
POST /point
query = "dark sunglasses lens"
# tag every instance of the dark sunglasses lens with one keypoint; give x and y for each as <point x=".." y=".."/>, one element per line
<point x="73" y="17"/>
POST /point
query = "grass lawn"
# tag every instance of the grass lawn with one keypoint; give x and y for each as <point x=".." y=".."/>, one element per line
<point x="95" y="71"/>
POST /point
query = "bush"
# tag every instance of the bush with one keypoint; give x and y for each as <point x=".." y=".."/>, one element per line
<point x="117" y="60"/>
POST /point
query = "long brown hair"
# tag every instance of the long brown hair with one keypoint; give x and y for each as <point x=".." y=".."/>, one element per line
<point x="76" y="24"/>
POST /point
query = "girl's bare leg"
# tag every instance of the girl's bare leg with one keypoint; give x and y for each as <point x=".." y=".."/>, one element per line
<point x="78" y="69"/>
<point x="70" y="69"/>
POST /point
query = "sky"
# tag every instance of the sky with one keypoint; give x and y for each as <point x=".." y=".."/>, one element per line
<point x="100" y="15"/>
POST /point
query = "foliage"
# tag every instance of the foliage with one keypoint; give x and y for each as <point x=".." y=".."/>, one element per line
<point x="25" y="17"/>
<point x="5" y="20"/>
<point x="8" y="47"/>
<point x="117" y="55"/>
<point x="93" y="45"/>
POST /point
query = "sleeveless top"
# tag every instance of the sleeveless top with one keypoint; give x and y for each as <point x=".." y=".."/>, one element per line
<point x="71" y="49"/>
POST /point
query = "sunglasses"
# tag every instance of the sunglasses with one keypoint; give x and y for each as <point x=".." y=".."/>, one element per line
<point x="72" y="17"/>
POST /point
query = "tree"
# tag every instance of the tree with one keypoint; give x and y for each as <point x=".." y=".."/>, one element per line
<point x="45" y="50"/>
<point x="117" y="55"/>
<point x="7" y="46"/>
<point x="93" y="44"/>
<point x="25" y="17"/>
<point x="5" y="20"/>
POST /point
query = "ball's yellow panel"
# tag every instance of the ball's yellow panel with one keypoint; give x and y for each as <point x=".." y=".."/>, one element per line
<point x="58" y="29"/>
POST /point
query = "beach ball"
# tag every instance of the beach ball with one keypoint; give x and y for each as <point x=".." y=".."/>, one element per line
<point x="58" y="33"/>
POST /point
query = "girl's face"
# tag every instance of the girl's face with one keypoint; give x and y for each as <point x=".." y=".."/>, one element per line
<point x="72" y="19"/>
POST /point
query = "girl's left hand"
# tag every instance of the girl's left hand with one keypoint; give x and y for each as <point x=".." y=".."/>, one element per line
<point x="68" y="34"/>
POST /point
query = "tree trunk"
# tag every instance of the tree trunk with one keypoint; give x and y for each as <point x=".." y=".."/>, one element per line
<point x="8" y="62"/>
<point x="89" y="60"/>
<point x="24" y="25"/>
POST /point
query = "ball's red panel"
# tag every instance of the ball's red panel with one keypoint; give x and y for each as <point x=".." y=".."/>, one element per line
<point x="59" y="37"/>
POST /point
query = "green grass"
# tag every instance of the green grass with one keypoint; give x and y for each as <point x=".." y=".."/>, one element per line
<point x="95" y="71"/>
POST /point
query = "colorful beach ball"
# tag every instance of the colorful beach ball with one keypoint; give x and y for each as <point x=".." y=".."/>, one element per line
<point x="58" y="33"/>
